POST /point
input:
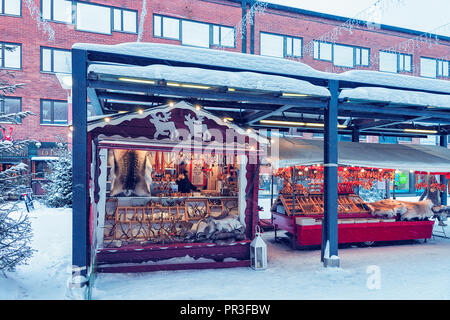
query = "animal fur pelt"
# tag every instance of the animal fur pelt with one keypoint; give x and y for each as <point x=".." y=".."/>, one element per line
<point x="404" y="210"/>
<point x="130" y="172"/>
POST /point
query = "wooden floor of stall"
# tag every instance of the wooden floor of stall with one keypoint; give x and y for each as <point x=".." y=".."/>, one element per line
<point x="135" y="258"/>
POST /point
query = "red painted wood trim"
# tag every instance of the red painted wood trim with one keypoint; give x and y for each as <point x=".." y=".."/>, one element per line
<point x="239" y="251"/>
<point x="167" y="267"/>
<point x="361" y="232"/>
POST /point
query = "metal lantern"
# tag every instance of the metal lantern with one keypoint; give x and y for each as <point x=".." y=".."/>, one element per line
<point x="258" y="251"/>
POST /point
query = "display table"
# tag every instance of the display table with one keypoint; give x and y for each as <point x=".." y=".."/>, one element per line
<point x="306" y="235"/>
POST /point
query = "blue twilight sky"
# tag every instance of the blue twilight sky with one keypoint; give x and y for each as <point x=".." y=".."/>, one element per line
<point x="422" y="15"/>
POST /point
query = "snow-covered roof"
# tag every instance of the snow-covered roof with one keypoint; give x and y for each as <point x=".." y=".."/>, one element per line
<point x="235" y="80"/>
<point x="395" y="96"/>
<point x="298" y="151"/>
<point x="257" y="63"/>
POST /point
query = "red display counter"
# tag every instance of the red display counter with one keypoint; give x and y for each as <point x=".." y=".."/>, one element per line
<point x="306" y="235"/>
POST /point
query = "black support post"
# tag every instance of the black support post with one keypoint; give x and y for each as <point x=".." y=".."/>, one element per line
<point x="80" y="219"/>
<point x="443" y="143"/>
<point x="355" y="135"/>
<point x="329" y="251"/>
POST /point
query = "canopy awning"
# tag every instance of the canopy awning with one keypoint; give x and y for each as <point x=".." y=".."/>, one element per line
<point x="204" y="78"/>
<point x="298" y="151"/>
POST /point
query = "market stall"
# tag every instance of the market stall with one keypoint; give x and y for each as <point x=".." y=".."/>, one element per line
<point x="172" y="188"/>
<point x="299" y="208"/>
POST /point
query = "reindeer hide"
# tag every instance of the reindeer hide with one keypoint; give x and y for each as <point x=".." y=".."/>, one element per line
<point x="405" y="210"/>
<point x="130" y="172"/>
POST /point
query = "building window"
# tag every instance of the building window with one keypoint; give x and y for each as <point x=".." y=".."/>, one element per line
<point x="54" y="112"/>
<point x="57" y="10"/>
<point x="11" y="105"/>
<point x="125" y="20"/>
<point x="395" y="62"/>
<point x="56" y="60"/>
<point x="10" y="55"/>
<point x="433" y="68"/>
<point x="323" y="51"/>
<point x="193" y="33"/>
<point x="223" y="36"/>
<point x="404" y="62"/>
<point x="443" y="68"/>
<point x="93" y="18"/>
<point x="271" y="45"/>
<point x="280" y="46"/>
<point x="342" y="55"/>
<point x="362" y="57"/>
<point x="165" y="27"/>
<point x="428" y="67"/>
<point x="10" y="7"/>
<point x="388" y="62"/>
<point x="294" y="47"/>
<point x="404" y="139"/>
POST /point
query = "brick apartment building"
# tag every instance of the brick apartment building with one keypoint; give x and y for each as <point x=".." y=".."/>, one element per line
<point x="42" y="32"/>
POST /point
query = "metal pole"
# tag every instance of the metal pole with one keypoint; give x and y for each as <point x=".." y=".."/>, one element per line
<point x="294" y="237"/>
<point x="330" y="223"/>
<point x="443" y="143"/>
<point x="80" y="225"/>
<point x="355" y="135"/>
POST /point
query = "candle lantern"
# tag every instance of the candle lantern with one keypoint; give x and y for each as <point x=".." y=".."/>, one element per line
<point x="258" y="251"/>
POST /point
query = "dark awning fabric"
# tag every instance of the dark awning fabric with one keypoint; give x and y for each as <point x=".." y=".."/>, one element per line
<point x="298" y="151"/>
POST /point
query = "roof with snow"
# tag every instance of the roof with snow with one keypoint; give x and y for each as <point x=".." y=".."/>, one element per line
<point x="252" y="89"/>
<point x="296" y="151"/>
<point x="235" y="61"/>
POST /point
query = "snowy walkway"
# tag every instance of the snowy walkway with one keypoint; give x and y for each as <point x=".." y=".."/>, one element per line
<point x="409" y="271"/>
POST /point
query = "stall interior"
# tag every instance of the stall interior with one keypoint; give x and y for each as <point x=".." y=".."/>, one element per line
<point x="302" y="196"/>
<point x="164" y="197"/>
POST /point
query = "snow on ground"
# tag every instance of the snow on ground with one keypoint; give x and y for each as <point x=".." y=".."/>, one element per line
<point x="48" y="270"/>
<point x="411" y="270"/>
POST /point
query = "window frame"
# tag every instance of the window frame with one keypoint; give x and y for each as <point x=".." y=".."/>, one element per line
<point x="53" y="113"/>
<point x="441" y="75"/>
<point x="121" y="20"/>
<point x="52" y="59"/>
<point x="2" y="57"/>
<point x="180" y="31"/>
<point x="72" y="15"/>
<point x="199" y="22"/>
<point x="318" y="51"/>
<point x="284" y="49"/>
<point x="2" y="107"/>
<point x="398" y="56"/>
<point x="355" y="48"/>
<point x="401" y="55"/>
<point x="333" y="55"/>
<point x="211" y="36"/>
<point x="162" y="27"/>
<point x="435" y="67"/>
<point x="111" y="17"/>
<point x="2" y="10"/>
